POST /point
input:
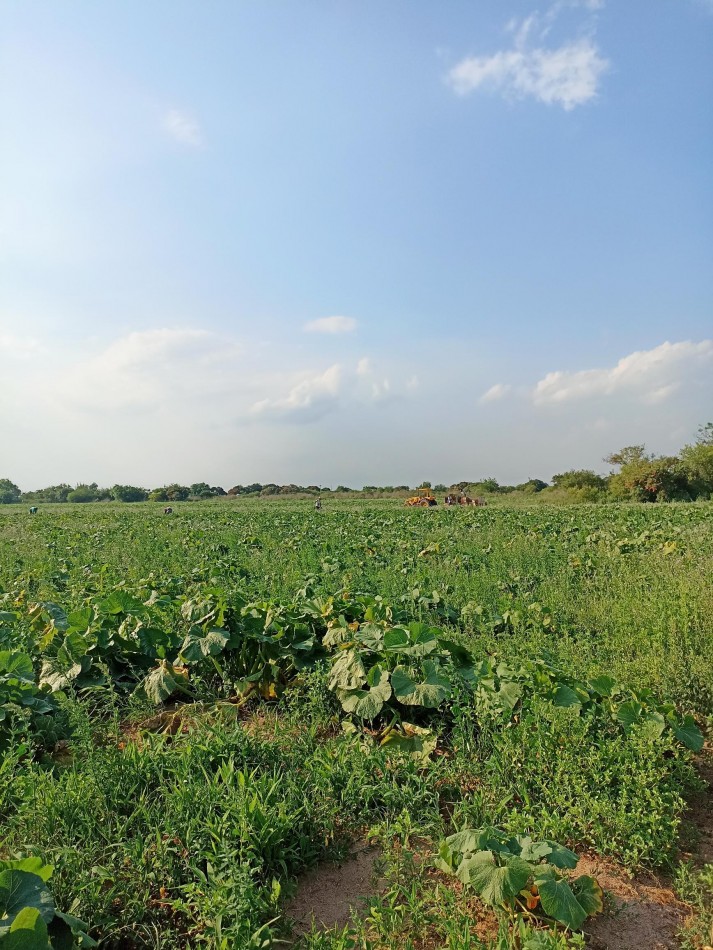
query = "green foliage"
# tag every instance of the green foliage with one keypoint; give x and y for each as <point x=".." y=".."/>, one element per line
<point x="9" y="492"/>
<point x="502" y="664"/>
<point x="29" y="919"/>
<point x="581" y="478"/>
<point x="520" y="875"/>
<point x="128" y="493"/>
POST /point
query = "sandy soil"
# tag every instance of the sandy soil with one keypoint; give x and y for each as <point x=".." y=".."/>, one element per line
<point x="330" y="892"/>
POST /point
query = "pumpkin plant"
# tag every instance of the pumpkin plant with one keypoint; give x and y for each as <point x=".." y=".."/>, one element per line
<point x="521" y="876"/>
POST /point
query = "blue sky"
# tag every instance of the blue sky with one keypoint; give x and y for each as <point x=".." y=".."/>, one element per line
<point x="356" y="242"/>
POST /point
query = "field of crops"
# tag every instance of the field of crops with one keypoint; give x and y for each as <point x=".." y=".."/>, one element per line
<point x="197" y="708"/>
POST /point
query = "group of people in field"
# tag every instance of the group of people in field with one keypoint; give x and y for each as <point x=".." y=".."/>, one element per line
<point x="463" y="500"/>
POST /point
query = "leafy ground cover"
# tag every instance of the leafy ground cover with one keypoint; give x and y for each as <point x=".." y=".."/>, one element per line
<point x="196" y="708"/>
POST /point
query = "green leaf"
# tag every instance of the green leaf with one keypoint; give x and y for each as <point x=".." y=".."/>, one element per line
<point x="629" y="713"/>
<point x="163" y="682"/>
<point x="533" y="851"/>
<point x="417" y="742"/>
<point x="603" y="685"/>
<point x="347" y="671"/>
<point x="31" y="865"/>
<point x="20" y="889"/>
<point x="688" y="733"/>
<point x="81" y="619"/>
<point x="560" y="856"/>
<point x="558" y="900"/>
<point x="121" y="602"/>
<point x="199" y="645"/>
<point x="28" y="931"/>
<point x="509" y="695"/>
<point x="395" y="639"/>
<point x="367" y="704"/>
<point x="18" y="665"/>
<point x="429" y="692"/>
<point x="589" y="894"/>
<point x="56" y="615"/>
<point x="566" y="697"/>
<point x="495" y="884"/>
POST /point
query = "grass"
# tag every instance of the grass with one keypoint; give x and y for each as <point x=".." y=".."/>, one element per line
<point x="192" y="837"/>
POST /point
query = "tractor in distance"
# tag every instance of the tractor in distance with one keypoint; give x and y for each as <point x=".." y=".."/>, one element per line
<point x="424" y="498"/>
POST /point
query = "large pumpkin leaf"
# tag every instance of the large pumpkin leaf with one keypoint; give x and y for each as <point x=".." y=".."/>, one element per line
<point x="20" y="889"/>
<point x="17" y="665"/>
<point x="688" y="733"/>
<point x="558" y="900"/>
<point x="629" y="713"/>
<point x="28" y="931"/>
<point x="121" y="602"/>
<point x="429" y="692"/>
<point x="347" y="671"/>
<point x="368" y="703"/>
<point x="163" y="682"/>
<point x="199" y="645"/>
<point x="589" y="895"/>
<point x="496" y="884"/>
<point x="32" y="865"/>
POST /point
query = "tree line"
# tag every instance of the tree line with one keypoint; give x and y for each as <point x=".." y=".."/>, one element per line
<point x="637" y="475"/>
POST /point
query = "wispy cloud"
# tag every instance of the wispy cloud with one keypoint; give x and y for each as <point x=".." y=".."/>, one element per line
<point x="498" y="391"/>
<point x="331" y="325"/>
<point x="147" y="371"/>
<point x="16" y="346"/>
<point x="183" y="128"/>
<point x="567" y="75"/>
<point x="651" y="375"/>
<point x="313" y="395"/>
<point x="307" y="400"/>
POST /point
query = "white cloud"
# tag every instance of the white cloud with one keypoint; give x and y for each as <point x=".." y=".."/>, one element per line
<point x="650" y="375"/>
<point x="314" y="395"/>
<point x="307" y="400"/>
<point x="16" y="346"/>
<point x="567" y="75"/>
<point x="331" y="325"/>
<point x="498" y="391"/>
<point x="182" y="127"/>
<point x="147" y="370"/>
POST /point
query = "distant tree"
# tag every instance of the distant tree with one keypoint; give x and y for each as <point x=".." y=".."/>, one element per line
<point x="314" y="489"/>
<point x="368" y="488"/>
<point x="627" y="455"/>
<point x="490" y="485"/>
<point x="531" y="486"/>
<point x="343" y="488"/>
<point x="270" y="489"/>
<point x="177" y="492"/>
<point x="440" y="488"/>
<point x="290" y="489"/>
<point x="50" y="495"/>
<point x="425" y="485"/>
<point x="200" y="490"/>
<point x="158" y="494"/>
<point x="652" y="479"/>
<point x="697" y="462"/>
<point x="82" y="494"/>
<point x="402" y="488"/>
<point x="128" y="493"/>
<point x="10" y="494"/>
<point x="579" y="478"/>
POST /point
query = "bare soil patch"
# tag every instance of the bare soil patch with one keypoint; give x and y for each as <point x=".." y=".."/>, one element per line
<point x="329" y="893"/>
<point x="646" y="914"/>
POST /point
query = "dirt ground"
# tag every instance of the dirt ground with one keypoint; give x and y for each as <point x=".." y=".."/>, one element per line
<point x="328" y="894"/>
